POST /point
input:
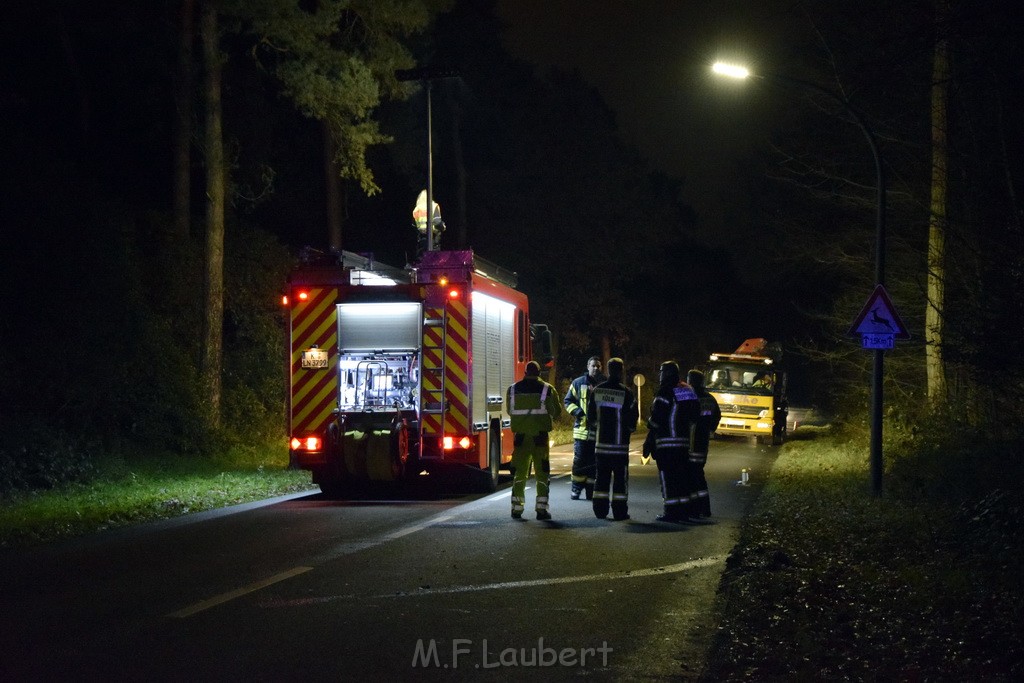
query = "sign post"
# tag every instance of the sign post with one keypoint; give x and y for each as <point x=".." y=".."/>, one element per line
<point x="639" y="381"/>
<point x="878" y="325"/>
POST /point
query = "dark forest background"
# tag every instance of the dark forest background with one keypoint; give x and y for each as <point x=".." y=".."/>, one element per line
<point x="100" y="330"/>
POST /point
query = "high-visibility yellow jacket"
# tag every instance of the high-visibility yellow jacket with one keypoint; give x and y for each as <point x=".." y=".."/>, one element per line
<point x="532" y="406"/>
<point x="576" y="405"/>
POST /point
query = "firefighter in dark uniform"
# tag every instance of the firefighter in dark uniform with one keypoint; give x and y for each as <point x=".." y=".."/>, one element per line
<point x="584" y="470"/>
<point x="614" y="412"/>
<point x="532" y="405"/>
<point x="675" y="410"/>
<point x="700" y="439"/>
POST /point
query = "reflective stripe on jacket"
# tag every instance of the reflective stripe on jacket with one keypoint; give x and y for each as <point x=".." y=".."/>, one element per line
<point x="707" y="422"/>
<point x="532" y="405"/>
<point x="575" y="402"/>
<point x="675" y="410"/>
<point x="615" y="413"/>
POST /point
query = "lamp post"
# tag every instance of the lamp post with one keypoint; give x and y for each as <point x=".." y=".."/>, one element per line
<point x="427" y="75"/>
<point x="739" y="72"/>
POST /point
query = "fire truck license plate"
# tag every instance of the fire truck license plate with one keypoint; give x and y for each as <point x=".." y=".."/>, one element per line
<point x="314" y="359"/>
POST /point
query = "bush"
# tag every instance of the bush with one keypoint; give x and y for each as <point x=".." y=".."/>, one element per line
<point x="44" y="462"/>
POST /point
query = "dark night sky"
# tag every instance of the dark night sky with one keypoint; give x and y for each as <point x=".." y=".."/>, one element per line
<point x="650" y="61"/>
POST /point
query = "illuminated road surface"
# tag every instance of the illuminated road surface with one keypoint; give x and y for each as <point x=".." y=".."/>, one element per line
<point x="443" y="588"/>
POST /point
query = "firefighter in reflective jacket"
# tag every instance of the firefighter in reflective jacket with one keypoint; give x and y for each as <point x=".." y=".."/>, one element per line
<point x="675" y="410"/>
<point x="700" y="439"/>
<point x="614" y="412"/>
<point x="583" y="466"/>
<point x="532" y="405"/>
<point x="419" y="218"/>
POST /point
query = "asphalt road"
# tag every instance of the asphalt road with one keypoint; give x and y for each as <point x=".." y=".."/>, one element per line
<point x="411" y="587"/>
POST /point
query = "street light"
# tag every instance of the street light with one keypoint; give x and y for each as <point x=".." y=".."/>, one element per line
<point x="740" y="72"/>
<point x="427" y="75"/>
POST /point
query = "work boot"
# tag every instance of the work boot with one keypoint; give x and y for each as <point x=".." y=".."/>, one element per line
<point x="590" y="491"/>
<point x="575" y="490"/>
<point x="516" y="514"/>
<point x="543" y="515"/>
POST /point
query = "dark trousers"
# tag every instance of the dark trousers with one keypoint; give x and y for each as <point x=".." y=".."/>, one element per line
<point x="584" y="466"/>
<point x="700" y="497"/>
<point x="678" y="478"/>
<point x="612" y="486"/>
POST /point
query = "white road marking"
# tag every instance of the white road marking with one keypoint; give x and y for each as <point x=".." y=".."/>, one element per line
<point x="350" y="548"/>
<point x="553" y="581"/>
<point x="334" y="553"/>
<point x="231" y="595"/>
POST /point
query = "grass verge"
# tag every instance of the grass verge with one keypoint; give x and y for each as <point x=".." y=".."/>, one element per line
<point x="145" y="489"/>
<point x="151" y="487"/>
<point x="831" y="583"/>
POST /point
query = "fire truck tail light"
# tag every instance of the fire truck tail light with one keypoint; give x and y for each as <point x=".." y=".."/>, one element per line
<point x="309" y="443"/>
<point x="303" y="295"/>
<point x="453" y="293"/>
<point x="449" y="443"/>
<point x="284" y="300"/>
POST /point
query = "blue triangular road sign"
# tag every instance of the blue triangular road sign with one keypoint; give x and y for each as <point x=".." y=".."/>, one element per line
<point x="879" y="316"/>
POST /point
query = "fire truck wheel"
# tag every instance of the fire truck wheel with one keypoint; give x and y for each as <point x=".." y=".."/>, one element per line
<point x="399" y="450"/>
<point x="493" y="458"/>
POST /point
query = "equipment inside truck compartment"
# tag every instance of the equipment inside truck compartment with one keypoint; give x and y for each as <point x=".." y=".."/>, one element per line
<point x="377" y="344"/>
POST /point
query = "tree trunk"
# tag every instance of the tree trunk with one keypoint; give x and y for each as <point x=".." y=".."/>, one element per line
<point x="936" y="372"/>
<point x="213" y="318"/>
<point x="332" y="183"/>
<point x="183" y="123"/>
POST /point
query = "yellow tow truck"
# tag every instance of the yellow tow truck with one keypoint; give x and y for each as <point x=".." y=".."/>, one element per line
<point x="750" y="387"/>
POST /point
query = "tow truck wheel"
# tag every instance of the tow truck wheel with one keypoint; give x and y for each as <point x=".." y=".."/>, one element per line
<point x="779" y="437"/>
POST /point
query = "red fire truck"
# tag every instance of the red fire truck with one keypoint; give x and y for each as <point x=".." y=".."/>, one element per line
<point x="393" y="373"/>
